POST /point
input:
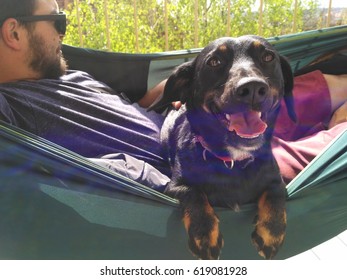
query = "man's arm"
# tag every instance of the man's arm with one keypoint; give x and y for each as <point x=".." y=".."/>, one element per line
<point x="152" y="94"/>
<point x="339" y="116"/>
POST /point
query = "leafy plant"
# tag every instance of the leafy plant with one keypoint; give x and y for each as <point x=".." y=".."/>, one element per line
<point x="139" y="25"/>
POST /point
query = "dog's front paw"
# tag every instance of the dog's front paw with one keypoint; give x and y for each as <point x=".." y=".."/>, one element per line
<point x="270" y="226"/>
<point x="204" y="238"/>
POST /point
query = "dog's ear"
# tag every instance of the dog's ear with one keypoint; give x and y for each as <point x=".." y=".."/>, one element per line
<point x="177" y="87"/>
<point x="288" y="87"/>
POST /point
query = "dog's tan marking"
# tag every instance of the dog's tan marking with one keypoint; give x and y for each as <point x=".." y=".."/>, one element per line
<point x="223" y="48"/>
<point x="264" y="211"/>
<point x="274" y="91"/>
<point x="268" y="238"/>
<point x="186" y="221"/>
<point x="214" y="233"/>
<point x="197" y="243"/>
<point x="208" y="208"/>
<point x="257" y="43"/>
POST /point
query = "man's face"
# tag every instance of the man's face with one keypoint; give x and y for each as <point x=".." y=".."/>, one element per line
<point x="44" y="44"/>
<point x="45" y="59"/>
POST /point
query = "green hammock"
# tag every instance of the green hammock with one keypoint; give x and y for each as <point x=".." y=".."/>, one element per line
<point x="56" y="204"/>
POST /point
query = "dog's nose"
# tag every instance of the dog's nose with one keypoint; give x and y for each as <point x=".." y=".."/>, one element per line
<point x="252" y="91"/>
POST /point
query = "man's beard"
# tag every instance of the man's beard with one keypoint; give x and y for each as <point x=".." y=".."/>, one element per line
<point x="48" y="65"/>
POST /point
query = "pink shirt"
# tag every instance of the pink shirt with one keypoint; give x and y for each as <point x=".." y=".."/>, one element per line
<point x="295" y="144"/>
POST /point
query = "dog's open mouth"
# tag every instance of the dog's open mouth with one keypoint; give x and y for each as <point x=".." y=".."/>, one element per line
<point x="247" y="124"/>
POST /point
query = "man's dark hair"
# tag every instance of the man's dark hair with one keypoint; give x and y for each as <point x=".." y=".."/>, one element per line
<point x="15" y="8"/>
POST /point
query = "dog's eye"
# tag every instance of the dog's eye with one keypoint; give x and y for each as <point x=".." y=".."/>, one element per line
<point x="268" y="56"/>
<point x="214" y="62"/>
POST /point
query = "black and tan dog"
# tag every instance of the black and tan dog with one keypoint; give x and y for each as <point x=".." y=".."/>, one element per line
<point x="218" y="143"/>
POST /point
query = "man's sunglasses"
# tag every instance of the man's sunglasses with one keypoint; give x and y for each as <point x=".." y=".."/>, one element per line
<point x="59" y="20"/>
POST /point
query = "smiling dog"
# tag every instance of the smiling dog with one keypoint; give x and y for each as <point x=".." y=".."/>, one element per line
<point x="218" y="143"/>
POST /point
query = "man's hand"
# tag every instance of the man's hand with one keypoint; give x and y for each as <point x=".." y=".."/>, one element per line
<point x="177" y="104"/>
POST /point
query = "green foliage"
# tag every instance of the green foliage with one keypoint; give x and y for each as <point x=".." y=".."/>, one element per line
<point x="142" y="30"/>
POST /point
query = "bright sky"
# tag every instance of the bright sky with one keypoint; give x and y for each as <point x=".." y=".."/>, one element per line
<point x="323" y="3"/>
<point x="335" y="3"/>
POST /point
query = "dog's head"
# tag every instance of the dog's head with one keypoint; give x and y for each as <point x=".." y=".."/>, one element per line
<point x="233" y="85"/>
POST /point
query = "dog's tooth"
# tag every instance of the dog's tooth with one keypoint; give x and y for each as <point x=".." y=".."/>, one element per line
<point x="227" y="116"/>
<point x="250" y="137"/>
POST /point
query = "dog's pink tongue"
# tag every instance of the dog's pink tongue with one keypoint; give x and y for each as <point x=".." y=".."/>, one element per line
<point x="247" y="124"/>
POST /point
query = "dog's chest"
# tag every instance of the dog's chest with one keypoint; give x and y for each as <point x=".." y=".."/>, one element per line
<point x="225" y="186"/>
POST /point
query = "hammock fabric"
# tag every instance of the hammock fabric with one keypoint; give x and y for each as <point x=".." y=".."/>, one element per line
<point x="56" y="204"/>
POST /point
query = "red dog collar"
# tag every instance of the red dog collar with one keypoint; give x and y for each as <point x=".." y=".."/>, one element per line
<point x="228" y="161"/>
